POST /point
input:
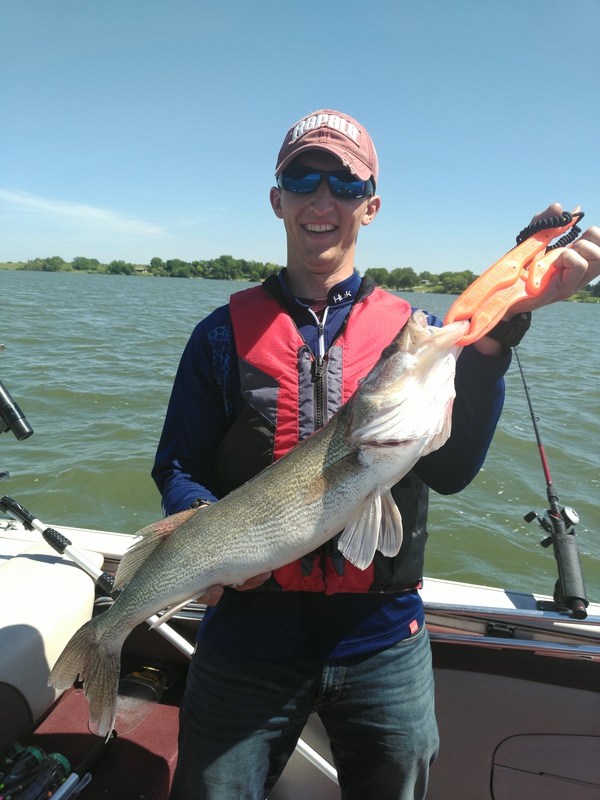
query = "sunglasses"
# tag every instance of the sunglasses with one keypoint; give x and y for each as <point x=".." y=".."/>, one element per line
<point x="342" y="184"/>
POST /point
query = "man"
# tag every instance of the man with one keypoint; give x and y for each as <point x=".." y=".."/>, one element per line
<point x="257" y="376"/>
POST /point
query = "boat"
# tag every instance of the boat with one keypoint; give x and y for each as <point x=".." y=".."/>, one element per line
<point x="517" y="682"/>
<point x="517" y="677"/>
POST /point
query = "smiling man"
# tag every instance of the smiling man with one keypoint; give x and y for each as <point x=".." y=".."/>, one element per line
<point x="257" y="376"/>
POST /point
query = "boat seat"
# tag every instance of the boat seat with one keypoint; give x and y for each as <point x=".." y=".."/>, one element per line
<point x="44" y="599"/>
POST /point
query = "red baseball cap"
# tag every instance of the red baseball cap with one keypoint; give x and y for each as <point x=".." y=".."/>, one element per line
<point x="335" y="133"/>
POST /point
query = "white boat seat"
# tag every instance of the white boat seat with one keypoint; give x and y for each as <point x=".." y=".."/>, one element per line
<point x="44" y="599"/>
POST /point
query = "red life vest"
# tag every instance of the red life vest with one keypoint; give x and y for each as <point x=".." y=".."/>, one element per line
<point x="267" y="339"/>
<point x="269" y="347"/>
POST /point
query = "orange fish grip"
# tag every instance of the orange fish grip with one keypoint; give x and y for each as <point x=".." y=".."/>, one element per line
<point x="523" y="272"/>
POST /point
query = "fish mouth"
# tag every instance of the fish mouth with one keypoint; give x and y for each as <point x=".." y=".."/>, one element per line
<point x="451" y="334"/>
<point x="418" y="334"/>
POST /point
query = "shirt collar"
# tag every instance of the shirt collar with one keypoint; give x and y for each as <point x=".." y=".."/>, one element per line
<point x="342" y="294"/>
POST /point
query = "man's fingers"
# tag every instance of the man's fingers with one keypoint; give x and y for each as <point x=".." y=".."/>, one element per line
<point x="581" y="261"/>
<point x="252" y="583"/>
<point x="211" y="596"/>
<point x="214" y="593"/>
<point x="553" y="210"/>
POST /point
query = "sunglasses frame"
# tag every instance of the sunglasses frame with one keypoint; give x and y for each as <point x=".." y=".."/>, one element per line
<point x="367" y="191"/>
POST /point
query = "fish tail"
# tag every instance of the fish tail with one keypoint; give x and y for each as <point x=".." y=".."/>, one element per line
<point x="98" y="666"/>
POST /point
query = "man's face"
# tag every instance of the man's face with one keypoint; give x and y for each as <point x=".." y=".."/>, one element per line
<point x="321" y="228"/>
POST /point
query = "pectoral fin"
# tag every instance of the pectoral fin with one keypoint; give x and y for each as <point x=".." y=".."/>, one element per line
<point x="396" y="420"/>
<point x="377" y="526"/>
<point x="442" y="435"/>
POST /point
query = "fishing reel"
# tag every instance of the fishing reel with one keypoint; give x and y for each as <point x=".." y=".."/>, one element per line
<point x="28" y="773"/>
<point x="11" y="416"/>
<point x="11" y="419"/>
<point x="569" y="516"/>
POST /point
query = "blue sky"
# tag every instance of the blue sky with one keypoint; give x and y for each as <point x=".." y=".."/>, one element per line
<point x="140" y="128"/>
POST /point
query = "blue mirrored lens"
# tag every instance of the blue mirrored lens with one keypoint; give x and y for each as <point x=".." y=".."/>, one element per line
<point x="303" y="183"/>
<point x="352" y="189"/>
<point x="341" y="183"/>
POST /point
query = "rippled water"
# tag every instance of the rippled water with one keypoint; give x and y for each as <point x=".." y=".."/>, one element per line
<point x="91" y="359"/>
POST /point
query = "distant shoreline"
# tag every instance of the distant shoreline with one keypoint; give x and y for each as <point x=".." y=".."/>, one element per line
<point x="585" y="295"/>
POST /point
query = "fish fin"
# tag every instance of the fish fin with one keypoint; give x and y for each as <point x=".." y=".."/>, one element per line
<point x="98" y="668"/>
<point x="335" y="475"/>
<point x="391" y="532"/>
<point x="402" y="422"/>
<point x="442" y="435"/>
<point x="152" y="536"/>
<point x="172" y="610"/>
<point x="377" y="526"/>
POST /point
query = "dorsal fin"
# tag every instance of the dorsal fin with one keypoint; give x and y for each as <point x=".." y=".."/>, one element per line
<point x="152" y="535"/>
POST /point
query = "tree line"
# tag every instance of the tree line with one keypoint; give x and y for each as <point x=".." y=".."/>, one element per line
<point x="406" y="278"/>
<point x="227" y="268"/>
<point x="449" y="282"/>
<point x="222" y="268"/>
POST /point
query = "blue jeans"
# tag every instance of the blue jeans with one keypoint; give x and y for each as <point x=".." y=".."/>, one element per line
<point x="241" y="719"/>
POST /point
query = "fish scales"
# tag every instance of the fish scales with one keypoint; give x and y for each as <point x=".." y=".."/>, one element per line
<point x="338" y="479"/>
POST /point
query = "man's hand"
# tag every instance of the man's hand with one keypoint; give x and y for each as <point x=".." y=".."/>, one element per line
<point x="213" y="594"/>
<point x="577" y="265"/>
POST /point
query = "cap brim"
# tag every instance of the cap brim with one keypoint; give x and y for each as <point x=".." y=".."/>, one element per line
<point x="349" y="161"/>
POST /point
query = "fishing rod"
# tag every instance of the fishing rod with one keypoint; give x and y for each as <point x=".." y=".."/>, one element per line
<point x="559" y="523"/>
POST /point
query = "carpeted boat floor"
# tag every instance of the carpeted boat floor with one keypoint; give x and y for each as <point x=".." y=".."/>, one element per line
<point x="136" y="766"/>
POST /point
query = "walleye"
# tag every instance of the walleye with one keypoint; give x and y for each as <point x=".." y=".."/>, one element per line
<point x="337" y="479"/>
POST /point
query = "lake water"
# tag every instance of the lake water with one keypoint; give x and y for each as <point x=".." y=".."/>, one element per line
<point x="91" y="359"/>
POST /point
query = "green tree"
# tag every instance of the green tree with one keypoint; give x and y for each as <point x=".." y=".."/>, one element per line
<point x="402" y="278"/>
<point x="377" y="274"/>
<point x="455" y="282"/>
<point x="177" y="268"/>
<point x="225" y="268"/>
<point x="198" y="268"/>
<point x="54" y="264"/>
<point x="270" y="269"/>
<point x="85" y="264"/>
<point x="51" y="264"/>
<point x="120" y="268"/>
<point x="34" y="264"/>
<point x="257" y="271"/>
<point x="450" y="282"/>
<point x="157" y="266"/>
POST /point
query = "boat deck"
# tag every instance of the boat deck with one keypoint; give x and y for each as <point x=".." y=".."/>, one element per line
<point x="509" y="674"/>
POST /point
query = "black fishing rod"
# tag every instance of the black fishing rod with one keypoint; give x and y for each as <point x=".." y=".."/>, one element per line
<point x="559" y="523"/>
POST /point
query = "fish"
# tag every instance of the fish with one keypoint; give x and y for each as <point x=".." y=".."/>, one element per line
<point x="337" y="479"/>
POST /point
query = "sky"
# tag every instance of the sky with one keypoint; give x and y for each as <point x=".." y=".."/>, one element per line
<point x="133" y="129"/>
